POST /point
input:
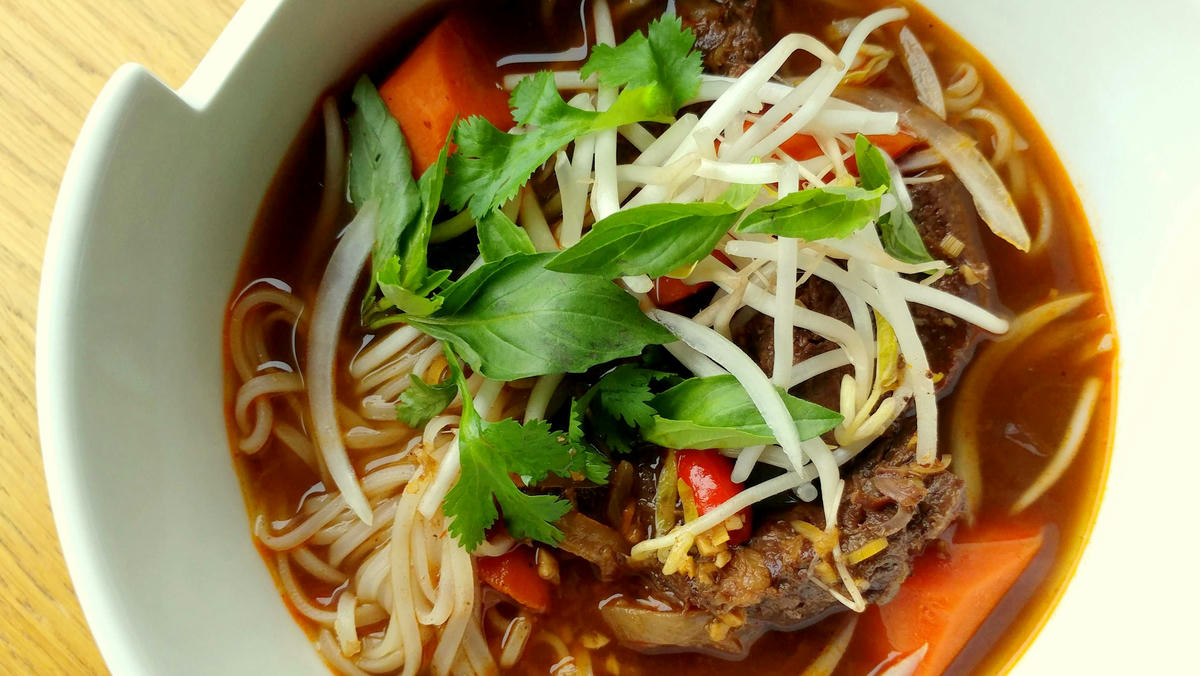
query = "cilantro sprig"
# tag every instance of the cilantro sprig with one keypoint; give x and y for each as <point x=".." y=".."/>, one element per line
<point x="489" y="453"/>
<point x="658" y="70"/>
<point x="421" y="401"/>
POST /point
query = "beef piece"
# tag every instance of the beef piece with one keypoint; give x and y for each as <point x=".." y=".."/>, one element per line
<point x="756" y="337"/>
<point x="725" y="33"/>
<point x="594" y="542"/>
<point x="939" y="209"/>
<point x="768" y="577"/>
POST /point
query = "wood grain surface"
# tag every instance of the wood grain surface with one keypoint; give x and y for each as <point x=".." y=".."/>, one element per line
<point x="55" y="55"/>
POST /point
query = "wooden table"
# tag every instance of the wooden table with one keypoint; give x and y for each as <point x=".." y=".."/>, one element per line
<point x="55" y="55"/>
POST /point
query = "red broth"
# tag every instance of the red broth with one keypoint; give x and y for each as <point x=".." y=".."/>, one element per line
<point x="1027" y="404"/>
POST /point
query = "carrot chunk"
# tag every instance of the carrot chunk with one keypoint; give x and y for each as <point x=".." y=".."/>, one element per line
<point x="515" y="574"/>
<point x="948" y="598"/>
<point x="447" y="76"/>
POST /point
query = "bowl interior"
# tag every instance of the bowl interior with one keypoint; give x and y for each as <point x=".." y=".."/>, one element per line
<point x="153" y="215"/>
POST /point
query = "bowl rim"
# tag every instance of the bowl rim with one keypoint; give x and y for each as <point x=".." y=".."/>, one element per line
<point x="77" y="192"/>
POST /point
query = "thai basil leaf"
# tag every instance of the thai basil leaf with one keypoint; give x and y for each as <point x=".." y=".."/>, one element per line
<point x="816" y="213"/>
<point x="499" y="237"/>
<point x="653" y="240"/>
<point x="716" y="412"/>
<point x="513" y="318"/>
<point x="897" y="231"/>
<point x="381" y="169"/>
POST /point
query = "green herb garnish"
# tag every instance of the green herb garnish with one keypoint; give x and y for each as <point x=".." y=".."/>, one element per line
<point x="499" y="237"/>
<point x="897" y="231"/>
<point x="421" y="401"/>
<point x="488" y="453"/>
<point x="491" y="165"/>
<point x="716" y="412"/>
<point x="615" y="407"/>
<point x="513" y="318"/>
<point x="816" y="213"/>
<point x="653" y="240"/>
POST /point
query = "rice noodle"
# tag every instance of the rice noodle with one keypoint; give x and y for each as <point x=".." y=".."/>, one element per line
<point x="1005" y="136"/>
<point x="344" y="627"/>
<point x="328" y="647"/>
<point x="925" y="79"/>
<point x="1045" y="217"/>
<point x="965" y="89"/>
<point x="313" y="565"/>
<point x="333" y="297"/>
<point x="1077" y="428"/>
<point x="380" y="350"/>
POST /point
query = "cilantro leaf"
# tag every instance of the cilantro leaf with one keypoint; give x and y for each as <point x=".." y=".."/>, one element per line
<point x="816" y="213"/>
<point x="653" y="239"/>
<point x="659" y="73"/>
<point x="662" y="57"/>
<point x="624" y="392"/>
<point x="616" y="406"/>
<point x="897" y="231"/>
<point x="535" y="101"/>
<point x="421" y="402"/>
<point x="531" y="450"/>
<point x="490" y="165"/>
<point x="488" y="454"/>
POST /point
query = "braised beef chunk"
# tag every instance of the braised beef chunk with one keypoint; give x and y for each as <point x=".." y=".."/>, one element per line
<point x="943" y="212"/>
<point x="594" y="542"/>
<point x="756" y="337"/>
<point x="725" y="33"/>
<point x="770" y="578"/>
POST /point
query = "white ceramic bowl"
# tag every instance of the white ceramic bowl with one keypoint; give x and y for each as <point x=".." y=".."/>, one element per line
<point x="162" y="190"/>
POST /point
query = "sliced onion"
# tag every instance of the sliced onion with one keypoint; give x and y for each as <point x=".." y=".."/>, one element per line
<point x="333" y="297"/>
<point x="925" y="79"/>
<point x="992" y="199"/>
<point x="663" y="628"/>
<point x="908" y="665"/>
